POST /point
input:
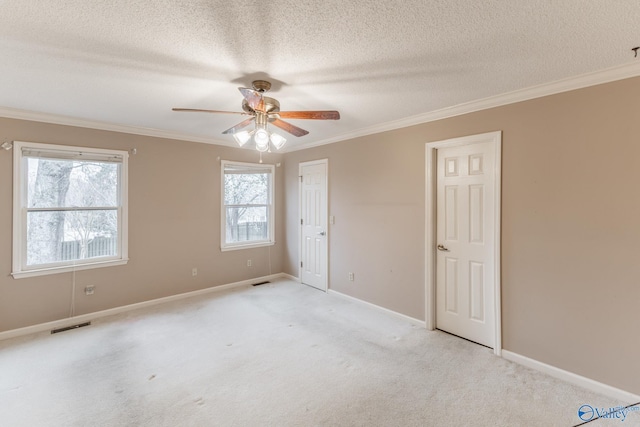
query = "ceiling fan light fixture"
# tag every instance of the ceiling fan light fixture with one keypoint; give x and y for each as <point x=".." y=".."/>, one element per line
<point x="261" y="137"/>
<point x="242" y="137"/>
<point x="278" y="140"/>
<point x="262" y="147"/>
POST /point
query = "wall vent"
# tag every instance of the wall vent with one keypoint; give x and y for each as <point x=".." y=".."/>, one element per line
<point x="261" y="283"/>
<point x="68" y="328"/>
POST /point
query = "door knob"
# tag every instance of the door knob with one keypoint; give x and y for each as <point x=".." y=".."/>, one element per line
<point x="442" y="248"/>
<point x="322" y="233"/>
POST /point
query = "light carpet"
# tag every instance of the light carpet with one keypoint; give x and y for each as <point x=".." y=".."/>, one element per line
<point x="279" y="354"/>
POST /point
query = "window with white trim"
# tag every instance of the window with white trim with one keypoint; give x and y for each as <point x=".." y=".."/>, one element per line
<point x="70" y="208"/>
<point x="247" y="205"/>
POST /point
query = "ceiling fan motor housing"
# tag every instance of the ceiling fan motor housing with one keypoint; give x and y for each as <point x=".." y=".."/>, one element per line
<point x="271" y="105"/>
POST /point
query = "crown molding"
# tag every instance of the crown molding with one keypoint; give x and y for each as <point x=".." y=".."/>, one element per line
<point x="608" y="75"/>
<point x="14" y="113"/>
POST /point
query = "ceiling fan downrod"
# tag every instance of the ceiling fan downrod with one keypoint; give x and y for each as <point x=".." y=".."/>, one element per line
<point x="261" y="86"/>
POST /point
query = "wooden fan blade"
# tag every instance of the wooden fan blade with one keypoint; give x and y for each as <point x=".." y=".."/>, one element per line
<point x="253" y="97"/>
<point x="240" y="125"/>
<point x="293" y="130"/>
<point x="310" y="115"/>
<point x="197" y="110"/>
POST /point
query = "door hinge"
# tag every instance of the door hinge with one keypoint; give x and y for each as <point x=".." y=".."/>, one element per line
<point x="301" y="221"/>
<point x="300" y="264"/>
<point x="301" y="178"/>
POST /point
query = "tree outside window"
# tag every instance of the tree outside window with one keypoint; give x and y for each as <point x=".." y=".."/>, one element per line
<point x="247" y="205"/>
<point x="72" y="207"/>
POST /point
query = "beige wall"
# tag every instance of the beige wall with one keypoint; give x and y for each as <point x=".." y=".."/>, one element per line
<point x="570" y="224"/>
<point x="174" y="225"/>
<point x="376" y="193"/>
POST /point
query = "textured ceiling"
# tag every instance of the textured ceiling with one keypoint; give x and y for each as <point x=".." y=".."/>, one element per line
<point x="128" y="62"/>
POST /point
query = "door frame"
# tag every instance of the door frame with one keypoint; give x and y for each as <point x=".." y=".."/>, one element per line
<point x="326" y="225"/>
<point x="495" y="138"/>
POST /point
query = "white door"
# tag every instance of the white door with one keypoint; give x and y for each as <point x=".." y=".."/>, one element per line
<point x="313" y="223"/>
<point x="465" y="240"/>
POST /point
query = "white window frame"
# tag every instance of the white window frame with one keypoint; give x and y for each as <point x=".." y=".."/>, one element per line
<point x="19" y="268"/>
<point x="224" y="246"/>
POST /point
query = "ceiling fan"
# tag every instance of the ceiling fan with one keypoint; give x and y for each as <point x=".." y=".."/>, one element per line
<point x="264" y="110"/>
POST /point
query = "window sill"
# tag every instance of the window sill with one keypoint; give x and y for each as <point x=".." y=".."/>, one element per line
<point x="67" y="268"/>
<point x="247" y="246"/>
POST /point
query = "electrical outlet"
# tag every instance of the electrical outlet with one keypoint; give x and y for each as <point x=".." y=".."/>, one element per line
<point x="194" y="272"/>
<point x="249" y="263"/>
<point x="89" y="290"/>
<point x="351" y="277"/>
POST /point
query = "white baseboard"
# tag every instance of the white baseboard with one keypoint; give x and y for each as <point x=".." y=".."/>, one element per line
<point x="413" y="321"/>
<point x="570" y="377"/>
<point x="290" y="277"/>
<point x="69" y="321"/>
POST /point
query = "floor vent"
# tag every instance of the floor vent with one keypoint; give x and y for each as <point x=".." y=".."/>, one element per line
<point x="68" y="328"/>
<point x="261" y="283"/>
